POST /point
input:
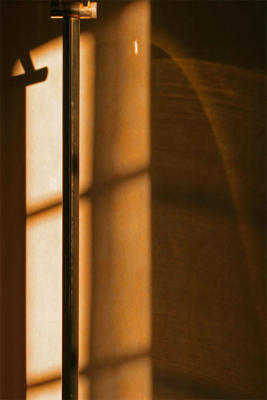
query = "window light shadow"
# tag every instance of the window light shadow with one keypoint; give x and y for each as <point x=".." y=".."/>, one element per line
<point x="44" y="217"/>
<point x="120" y="364"/>
<point x="13" y="225"/>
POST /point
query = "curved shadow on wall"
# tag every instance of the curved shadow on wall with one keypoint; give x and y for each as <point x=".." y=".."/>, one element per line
<point x="207" y="308"/>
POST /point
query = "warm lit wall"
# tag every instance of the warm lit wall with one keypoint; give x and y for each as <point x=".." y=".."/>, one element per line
<point x="180" y="269"/>
<point x="121" y="256"/>
<point x="115" y="323"/>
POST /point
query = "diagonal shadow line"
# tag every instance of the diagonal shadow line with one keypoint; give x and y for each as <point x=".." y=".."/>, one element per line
<point x="90" y="370"/>
<point x="113" y="363"/>
<point x="177" y="194"/>
<point x="96" y="188"/>
<point x="177" y="383"/>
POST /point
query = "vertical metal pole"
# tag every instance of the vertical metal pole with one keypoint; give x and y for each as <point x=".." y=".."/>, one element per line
<point x="71" y="45"/>
<point x="71" y="11"/>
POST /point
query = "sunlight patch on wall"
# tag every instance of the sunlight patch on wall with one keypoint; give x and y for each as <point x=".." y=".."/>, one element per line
<point x="44" y="228"/>
<point x="114" y="224"/>
<point x="43" y="295"/>
<point x="85" y="248"/>
<point x="121" y="263"/>
<point x="44" y="291"/>
<point x="122" y="271"/>
<point x="126" y="381"/>
<point x="123" y="96"/>
<point x="44" y="124"/>
<point x="44" y="129"/>
<point x="87" y="82"/>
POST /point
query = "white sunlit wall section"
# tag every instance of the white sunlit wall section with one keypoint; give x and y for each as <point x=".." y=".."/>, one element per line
<point x="114" y="226"/>
<point x="44" y="218"/>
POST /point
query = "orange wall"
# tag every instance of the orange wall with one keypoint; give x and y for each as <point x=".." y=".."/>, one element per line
<point x="172" y="222"/>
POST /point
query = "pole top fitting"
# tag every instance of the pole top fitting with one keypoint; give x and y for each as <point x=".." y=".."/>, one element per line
<point x="85" y="9"/>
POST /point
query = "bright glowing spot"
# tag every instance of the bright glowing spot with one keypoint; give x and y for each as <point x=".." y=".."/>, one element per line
<point x="135" y="47"/>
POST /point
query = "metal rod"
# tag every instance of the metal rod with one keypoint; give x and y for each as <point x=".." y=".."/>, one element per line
<point x="70" y="278"/>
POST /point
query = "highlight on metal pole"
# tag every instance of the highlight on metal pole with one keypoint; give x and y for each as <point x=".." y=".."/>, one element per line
<point x="71" y="12"/>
